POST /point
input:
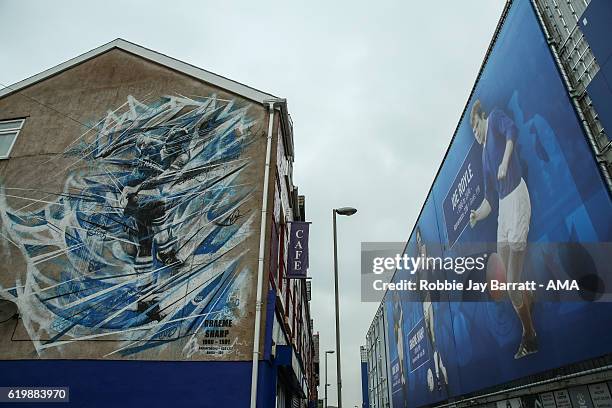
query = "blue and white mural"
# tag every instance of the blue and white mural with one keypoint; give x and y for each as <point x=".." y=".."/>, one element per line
<point x="143" y="245"/>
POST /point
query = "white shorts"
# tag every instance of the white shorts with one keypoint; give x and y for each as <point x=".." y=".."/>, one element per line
<point x="514" y="217"/>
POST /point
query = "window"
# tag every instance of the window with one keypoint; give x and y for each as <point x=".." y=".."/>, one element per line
<point x="9" y="129"/>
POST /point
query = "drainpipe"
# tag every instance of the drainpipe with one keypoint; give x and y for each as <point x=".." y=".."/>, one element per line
<point x="260" y="262"/>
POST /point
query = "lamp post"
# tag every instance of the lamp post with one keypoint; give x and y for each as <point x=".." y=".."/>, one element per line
<point x="326" y="382"/>
<point x="348" y="211"/>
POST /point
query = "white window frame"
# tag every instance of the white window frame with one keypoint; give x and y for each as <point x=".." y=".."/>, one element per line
<point x="15" y="130"/>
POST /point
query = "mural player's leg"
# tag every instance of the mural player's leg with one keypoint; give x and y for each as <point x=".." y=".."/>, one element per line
<point x="143" y="260"/>
<point x="521" y="303"/>
<point x="444" y="379"/>
<point x="440" y="368"/>
<point x="143" y="266"/>
<point x="441" y="375"/>
<point x="143" y="263"/>
<point x="521" y="208"/>
<point x="503" y="250"/>
<point x="165" y="242"/>
<point x="428" y="320"/>
<point x="138" y="208"/>
<point x="400" y="355"/>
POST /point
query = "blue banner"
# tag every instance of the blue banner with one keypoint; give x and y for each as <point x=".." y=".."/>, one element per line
<point x="466" y="191"/>
<point x="519" y="170"/>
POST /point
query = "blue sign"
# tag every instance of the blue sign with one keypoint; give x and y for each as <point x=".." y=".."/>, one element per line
<point x="418" y="346"/>
<point x="466" y="191"/>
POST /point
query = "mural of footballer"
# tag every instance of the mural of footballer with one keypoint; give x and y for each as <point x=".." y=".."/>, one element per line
<point x="437" y="379"/>
<point x="143" y="197"/>
<point x="398" y="331"/>
<point x="145" y="236"/>
<point x="497" y="134"/>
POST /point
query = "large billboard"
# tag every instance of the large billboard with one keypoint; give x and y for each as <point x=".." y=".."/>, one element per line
<point x="518" y="172"/>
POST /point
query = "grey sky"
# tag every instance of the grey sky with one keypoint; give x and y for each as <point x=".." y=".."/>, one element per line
<point x="375" y="90"/>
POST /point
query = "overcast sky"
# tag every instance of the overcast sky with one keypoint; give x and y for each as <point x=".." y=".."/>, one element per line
<point x="375" y="90"/>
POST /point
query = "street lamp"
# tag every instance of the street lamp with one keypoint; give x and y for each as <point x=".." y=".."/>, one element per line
<point x="326" y="384"/>
<point x="348" y="211"/>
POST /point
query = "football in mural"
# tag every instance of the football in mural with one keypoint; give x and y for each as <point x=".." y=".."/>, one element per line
<point x="143" y="245"/>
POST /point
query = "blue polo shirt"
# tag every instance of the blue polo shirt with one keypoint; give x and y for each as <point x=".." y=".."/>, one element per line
<point x="500" y="129"/>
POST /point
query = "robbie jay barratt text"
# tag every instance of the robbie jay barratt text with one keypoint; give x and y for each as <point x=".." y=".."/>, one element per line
<point x="495" y="285"/>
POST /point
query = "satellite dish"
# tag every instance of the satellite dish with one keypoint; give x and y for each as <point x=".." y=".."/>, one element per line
<point x="8" y="309"/>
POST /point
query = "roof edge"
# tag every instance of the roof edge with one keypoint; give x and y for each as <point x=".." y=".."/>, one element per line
<point x="227" y="84"/>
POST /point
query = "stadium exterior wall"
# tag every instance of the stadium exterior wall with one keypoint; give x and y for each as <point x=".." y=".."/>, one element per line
<point x="472" y="356"/>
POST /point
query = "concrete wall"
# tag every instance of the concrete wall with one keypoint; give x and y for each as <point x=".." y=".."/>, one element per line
<point x="149" y="384"/>
<point x="130" y="216"/>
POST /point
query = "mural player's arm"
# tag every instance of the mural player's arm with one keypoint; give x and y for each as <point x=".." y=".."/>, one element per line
<point x="479" y="214"/>
<point x="173" y="173"/>
<point x="503" y="167"/>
